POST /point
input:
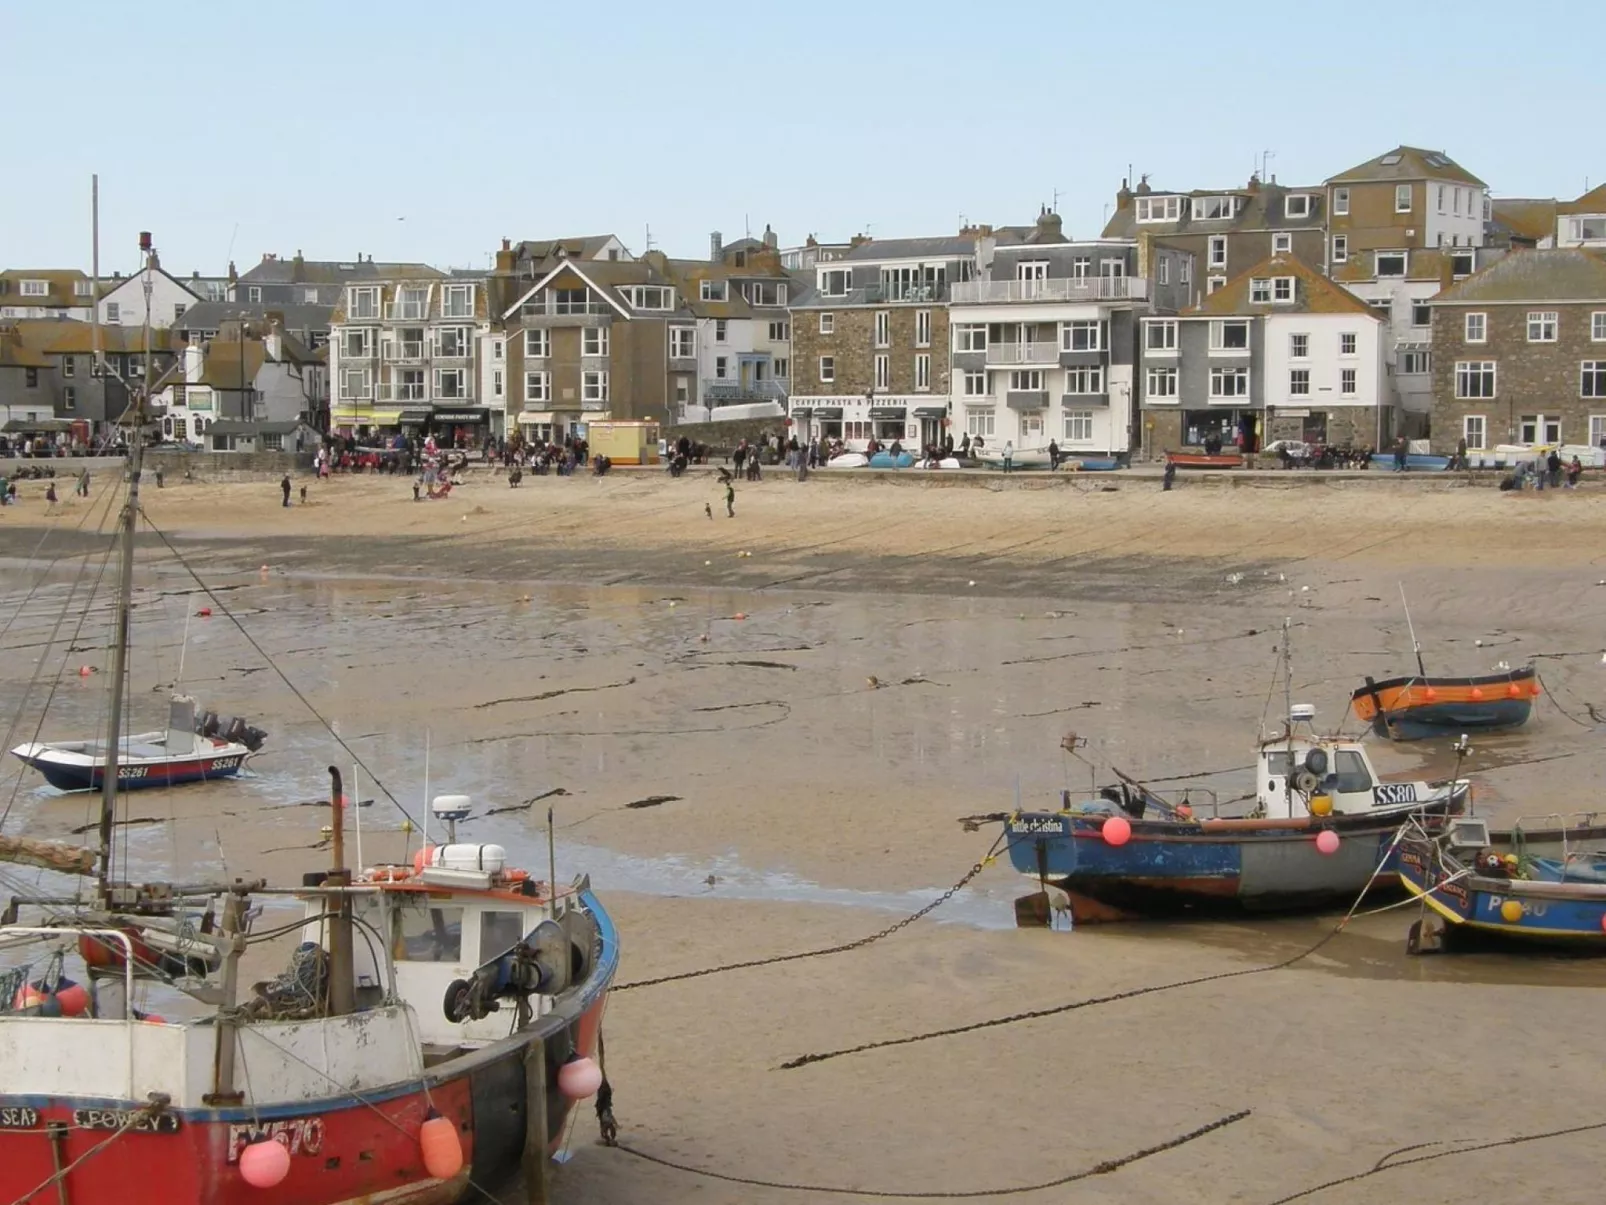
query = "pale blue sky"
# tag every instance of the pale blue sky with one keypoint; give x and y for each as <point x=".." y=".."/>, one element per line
<point x="316" y="125"/>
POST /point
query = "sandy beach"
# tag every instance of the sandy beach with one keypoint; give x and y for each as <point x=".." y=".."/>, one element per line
<point x="813" y="719"/>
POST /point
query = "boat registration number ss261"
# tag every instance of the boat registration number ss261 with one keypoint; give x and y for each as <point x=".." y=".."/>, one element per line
<point x="1040" y="826"/>
<point x="1394" y="792"/>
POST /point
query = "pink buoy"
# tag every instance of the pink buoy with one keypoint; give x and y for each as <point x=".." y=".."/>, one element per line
<point x="421" y="858"/>
<point x="1603" y="921"/>
<point x="1327" y="841"/>
<point x="205" y="612"/>
<point x="83" y="671"/>
<point x="1117" y="830"/>
<point x="74" y="999"/>
<point x="265" y="1164"/>
<point x="579" y="1078"/>
<point x="441" y="1147"/>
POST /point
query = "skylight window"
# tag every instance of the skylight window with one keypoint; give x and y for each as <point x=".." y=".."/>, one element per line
<point x="1390" y="160"/>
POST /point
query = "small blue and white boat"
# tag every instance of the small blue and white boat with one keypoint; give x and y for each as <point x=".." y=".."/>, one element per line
<point x="1525" y="886"/>
<point x="1320" y="830"/>
<point x="1416" y="460"/>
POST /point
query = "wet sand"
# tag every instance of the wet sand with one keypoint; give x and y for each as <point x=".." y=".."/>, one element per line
<point x="820" y="750"/>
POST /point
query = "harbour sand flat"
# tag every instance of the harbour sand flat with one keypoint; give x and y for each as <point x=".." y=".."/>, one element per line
<point x="819" y="750"/>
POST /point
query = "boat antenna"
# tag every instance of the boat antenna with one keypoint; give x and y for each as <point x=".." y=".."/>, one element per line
<point x="426" y="788"/>
<point x="1288" y="718"/>
<point x="178" y="683"/>
<point x="1416" y="646"/>
<point x="134" y="416"/>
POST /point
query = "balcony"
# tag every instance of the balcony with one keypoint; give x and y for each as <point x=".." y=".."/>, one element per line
<point x="402" y="311"/>
<point x="1084" y="401"/>
<point x="551" y="312"/>
<point x="1026" y="399"/>
<point x="1023" y="353"/>
<point x="404" y="353"/>
<point x="891" y="292"/>
<point x="1081" y="288"/>
<point x="722" y="391"/>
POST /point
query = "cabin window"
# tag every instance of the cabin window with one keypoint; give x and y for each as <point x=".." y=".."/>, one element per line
<point x="427" y="934"/>
<point x="499" y="933"/>
<point x="1351" y="771"/>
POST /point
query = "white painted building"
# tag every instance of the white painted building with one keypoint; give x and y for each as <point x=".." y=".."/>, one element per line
<point x="122" y="301"/>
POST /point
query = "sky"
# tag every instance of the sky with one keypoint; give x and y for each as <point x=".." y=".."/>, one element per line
<point x="428" y="132"/>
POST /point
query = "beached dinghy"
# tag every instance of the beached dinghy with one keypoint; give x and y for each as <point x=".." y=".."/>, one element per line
<point x="1416" y="708"/>
<point x="1320" y="831"/>
<point x="1020" y="458"/>
<point x="188" y="750"/>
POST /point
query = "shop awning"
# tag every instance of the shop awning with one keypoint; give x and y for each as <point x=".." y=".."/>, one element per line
<point x="413" y="416"/>
<point x="889" y="412"/>
<point x="931" y="411"/>
<point x="380" y="418"/>
<point x="802" y="411"/>
<point x="460" y="416"/>
<point x="828" y="412"/>
<point x="536" y="416"/>
<point x="36" y="426"/>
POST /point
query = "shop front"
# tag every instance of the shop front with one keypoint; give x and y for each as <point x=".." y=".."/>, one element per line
<point x="856" y="421"/>
<point x="460" y="427"/>
<point x="1240" y="429"/>
<point x="931" y="420"/>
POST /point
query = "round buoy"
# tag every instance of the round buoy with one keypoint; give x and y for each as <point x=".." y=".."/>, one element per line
<point x="1327" y="842"/>
<point x="970" y="583"/>
<point x="1430" y="694"/>
<point x="1511" y="912"/>
<point x="1184" y="812"/>
<point x="83" y="671"/>
<point x="1321" y="805"/>
<point x="441" y="1147"/>
<point x="265" y="1164"/>
<point x="1603" y="921"/>
<point x="740" y="615"/>
<point x="205" y="612"/>
<point x="579" y="1078"/>
<point x="1477" y="694"/>
<point x="73" y="998"/>
<point x="1514" y="691"/>
<point x="27" y="996"/>
<point x="1117" y="830"/>
<point x="1533" y="689"/>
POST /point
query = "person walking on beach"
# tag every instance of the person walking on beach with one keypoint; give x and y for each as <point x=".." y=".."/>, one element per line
<point x="284" y="485"/>
<point x="1009" y="454"/>
<point x="1574" y="471"/>
<point x="82" y="488"/>
<point x="1553" y="463"/>
<point x="50" y="497"/>
<point x="1053" y="455"/>
<point x="730" y="500"/>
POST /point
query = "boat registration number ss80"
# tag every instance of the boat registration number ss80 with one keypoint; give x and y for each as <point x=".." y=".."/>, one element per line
<point x="1394" y="792"/>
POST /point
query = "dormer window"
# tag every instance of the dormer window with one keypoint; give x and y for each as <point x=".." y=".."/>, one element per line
<point x="36" y="288"/>
<point x="836" y="282"/>
<point x="1390" y="263"/>
<point x="1260" y="291"/>
<point x="1159" y="209"/>
<point x="651" y="297"/>
<point x="1297" y="205"/>
<point x="1214" y="209"/>
<point x="713" y="290"/>
<point x="1462" y="263"/>
<point x="81" y="288"/>
<point x="1282" y="289"/>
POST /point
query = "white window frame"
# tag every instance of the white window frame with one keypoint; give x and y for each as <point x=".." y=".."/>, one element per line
<point x="1596" y="369"/>
<point x="463" y="337"/>
<point x="362" y="302"/>
<point x="1340" y="202"/>
<point x="1218" y="337"/>
<point x="364" y="388"/>
<point x="1465" y="370"/>
<point x="114" y="313"/>
<point x="1217" y="251"/>
<point x="1475" y="328"/>
<point x="1260" y="290"/>
<point x="713" y="290"/>
<point x="1543" y="325"/>
<point x="1159" y="209"/>
<point x="410" y="385"/>
<point x="1085" y="380"/>
<point x="922" y="328"/>
<point x="1403" y="200"/>
<point x="1078" y="426"/>
<point x="721" y="330"/>
<point x="1597" y="429"/>
<point x="594" y="341"/>
<point x="1087" y="331"/>
<point x="1026" y="380"/>
<point x="780" y="332"/>
<point x="538" y="386"/>
<point x="451" y="384"/>
<point x="1299" y="345"/>
<point x="537" y="343"/>
<point x="356" y="342"/>
<point x="1160" y="336"/>
<point x="973" y="383"/>
<point x="594" y="386"/>
<point x="827" y="370"/>
<point x="1348" y="382"/>
<point x="827" y="323"/>
<point x="1299" y="382"/>
<point x="1478" y="423"/>
<point x="883" y="371"/>
<point x="1422" y="305"/>
<point x="1297" y="205"/>
<point x="1282" y="290"/>
<point x="1377" y="264"/>
<point x="683" y="343"/>
<point x="973" y="333"/>
<point x="1219" y="376"/>
<point x="1340" y="254"/>
<point x="1215" y="208"/>
<point x="1282" y="244"/>
<point x="979" y="423"/>
<point x="35" y="288"/>
<point x="1542" y="425"/>
<point x="1162" y="383"/>
<point x="883" y="328"/>
<point x="1214" y="283"/>
<point x="1163" y="271"/>
<point x="1597" y="326"/>
<point x="1416" y="362"/>
<point x="923" y="372"/>
<point x="457" y="301"/>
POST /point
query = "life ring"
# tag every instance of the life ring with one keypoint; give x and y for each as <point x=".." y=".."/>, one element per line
<point x="390" y="874"/>
<point x="515" y="876"/>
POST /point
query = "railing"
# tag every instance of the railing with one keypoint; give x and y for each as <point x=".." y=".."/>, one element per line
<point x="551" y="308"/>
<point x="465" y="352"/>
<point x="727" y="390"/>
<point x="1078" y="288"/>
<point x="594" y="404"/>
<point x="398" y="353"/>
<point x="401" y="311"/>
<point x="1023" y="353"/>
<point x="913" y="293"/>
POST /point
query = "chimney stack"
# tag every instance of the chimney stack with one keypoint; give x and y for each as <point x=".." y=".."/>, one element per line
<point x="716" y="247"/>
<point x="771" y="239"/>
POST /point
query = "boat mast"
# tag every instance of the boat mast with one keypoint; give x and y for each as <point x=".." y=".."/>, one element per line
<point x="135" y="417"/>
<point x="1416" y="647"/>
<point x="342" y="985"/>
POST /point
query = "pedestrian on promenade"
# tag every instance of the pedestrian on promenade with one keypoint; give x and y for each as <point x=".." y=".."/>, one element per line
<point x="284" y="485"/>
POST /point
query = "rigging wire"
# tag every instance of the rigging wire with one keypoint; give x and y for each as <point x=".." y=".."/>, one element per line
<point x="273" y="665"/>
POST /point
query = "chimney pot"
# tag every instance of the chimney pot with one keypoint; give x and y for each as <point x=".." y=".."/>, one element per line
<point x="716" y="247"/>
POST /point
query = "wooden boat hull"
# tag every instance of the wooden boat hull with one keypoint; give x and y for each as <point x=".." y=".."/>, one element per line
<point x="1408" y="709"/>
<point x="1184" y="868"/>
<point x="1545" y="913"/>
<point x="1203" y="460"/>
<point x="345" y="1148"/>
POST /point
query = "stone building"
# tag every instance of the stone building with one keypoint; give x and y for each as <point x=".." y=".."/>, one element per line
<point x="1520" y="353"/>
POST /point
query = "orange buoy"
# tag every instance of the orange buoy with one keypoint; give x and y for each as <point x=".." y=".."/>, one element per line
<point x="421" y="859"/>
<point x="441" y="1147"/>
<point x="1430" y="694"/>
<point x="1514" y="691"/>
<point x="740" y="615"/>
<point x="1477" y="694"/>
<point x="1533" y="689"/>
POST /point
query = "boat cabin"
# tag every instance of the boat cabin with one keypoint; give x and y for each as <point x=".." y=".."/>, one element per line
<point x="1299" y="767"/>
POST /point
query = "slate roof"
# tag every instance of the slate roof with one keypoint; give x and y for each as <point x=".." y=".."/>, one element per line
<point x="1593" y="201"/>
<point x="1561" y="274"/>
<point x="69" y="337"/>
<point x="211" y="315"/>
<point x="1407" y="163"/>
<point x="939" y="247"/>
<point x="1313" y="294"/>
<point x="582" y="246"/>
<point x="332" y="272"/>
<point x="1531" y="218"/>
<point x="63" y="284"/>
<point x="1424" y="264"/>
<point x="221" y="367"/>
<point x="1264" y="209"/>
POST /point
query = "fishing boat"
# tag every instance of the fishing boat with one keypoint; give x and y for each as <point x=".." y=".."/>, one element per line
<point x="1319" y="831"/>
<point x="1423" y="705"/>
<point x="436" y="1023"/>
<point x="1205" y="460"/>
<point x="1544" y="887"/>
<point x="189" y="749"/>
